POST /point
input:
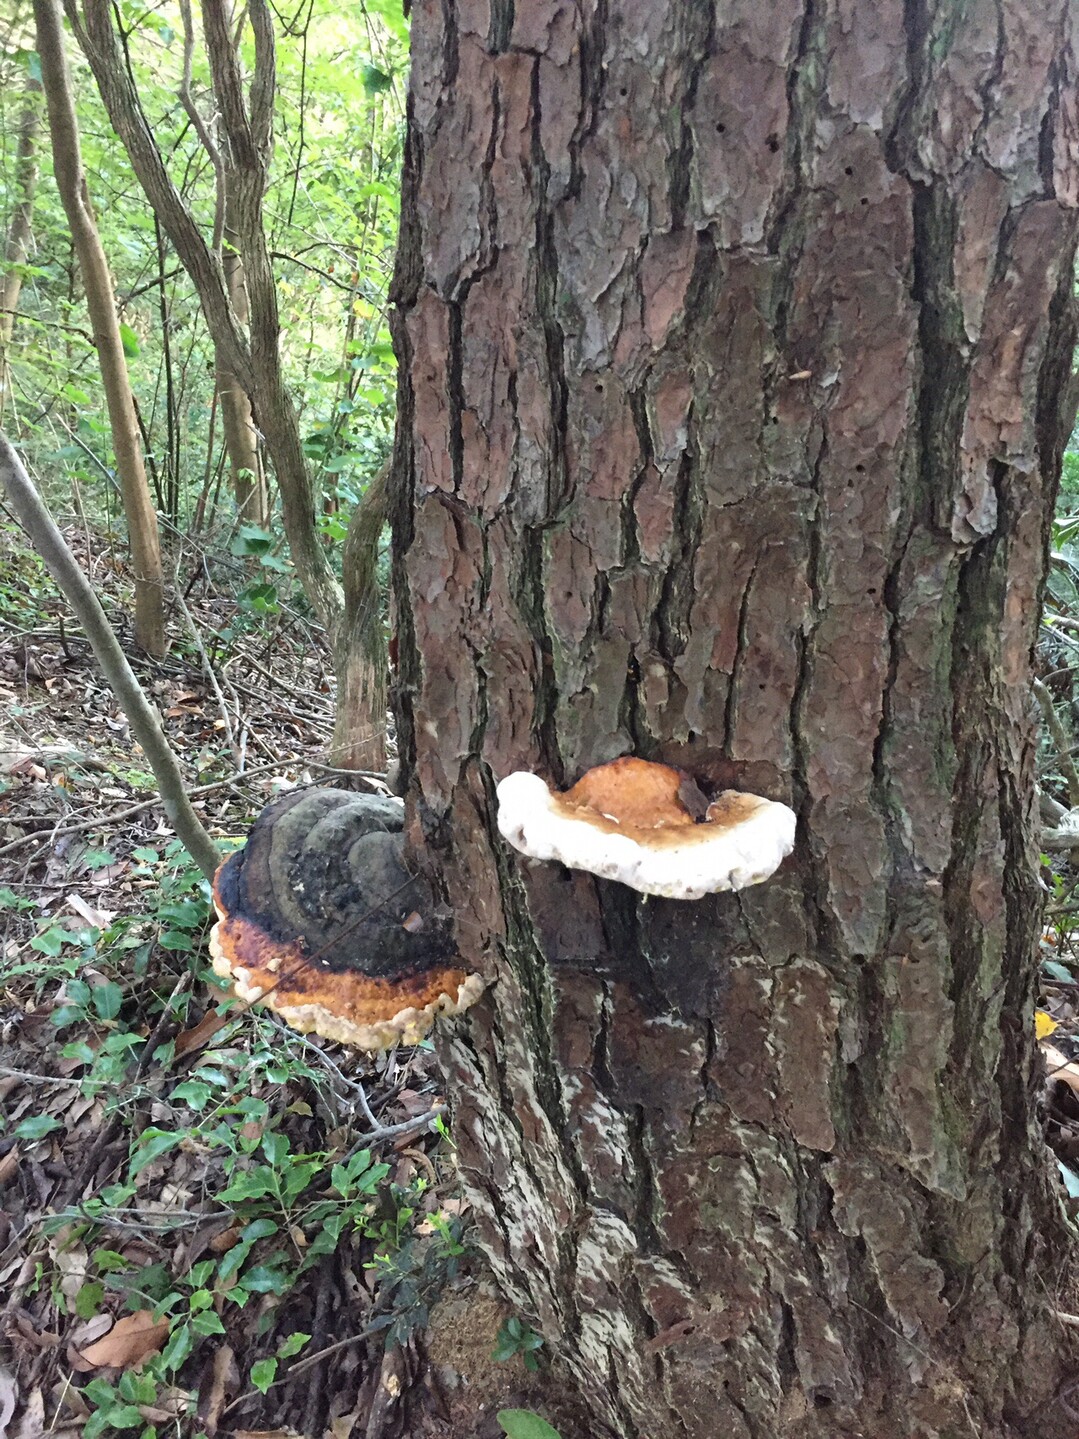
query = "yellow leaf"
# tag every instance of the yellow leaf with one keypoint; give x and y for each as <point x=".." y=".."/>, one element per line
<point x="1043" y="1025"/>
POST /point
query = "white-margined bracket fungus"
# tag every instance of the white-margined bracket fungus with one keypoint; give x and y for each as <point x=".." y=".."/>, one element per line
<point x="628" y="821"/>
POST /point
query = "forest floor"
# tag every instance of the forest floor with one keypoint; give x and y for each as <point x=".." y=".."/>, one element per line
<point x="208" y="1223"/>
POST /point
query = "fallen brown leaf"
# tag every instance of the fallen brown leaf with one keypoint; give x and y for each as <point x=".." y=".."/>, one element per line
<point x="7" y="1399"/>
<point x="9" y="1166"/>
<point x="223" y="1376"/>
<point x="201" y="1034"/>
<point x="1057" y="1067"/>
<point x="130" y="1340"/>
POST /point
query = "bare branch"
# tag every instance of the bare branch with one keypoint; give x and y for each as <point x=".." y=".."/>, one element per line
<point x="145" y="724"/>
<point x="203" y="130"/>
<point x="98" y="40"/>
<point x="1060" y="741"/>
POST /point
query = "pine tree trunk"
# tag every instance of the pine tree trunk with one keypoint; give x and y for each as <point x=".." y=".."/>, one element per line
<point x="732" y="350"/>
<point x="101" y="304"/>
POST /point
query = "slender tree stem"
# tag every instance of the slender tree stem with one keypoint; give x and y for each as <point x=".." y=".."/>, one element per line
<point x="145" y="724"/>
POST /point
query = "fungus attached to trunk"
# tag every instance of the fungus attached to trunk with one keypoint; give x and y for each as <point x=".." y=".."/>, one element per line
<point x="630" y="821"/>
<point x="319" y="919"/>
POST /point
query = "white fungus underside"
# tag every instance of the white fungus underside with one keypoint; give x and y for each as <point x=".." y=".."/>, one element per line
<point x="408" y="1026"/>
<point x="533" y="821"/>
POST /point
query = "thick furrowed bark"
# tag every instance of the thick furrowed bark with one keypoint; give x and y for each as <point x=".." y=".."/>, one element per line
<point x="732" y="353"/>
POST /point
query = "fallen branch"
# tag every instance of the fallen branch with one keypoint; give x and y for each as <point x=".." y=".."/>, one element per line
<point x="145" y="724"/>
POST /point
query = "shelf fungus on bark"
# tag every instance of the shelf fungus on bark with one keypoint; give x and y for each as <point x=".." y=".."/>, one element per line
<point x="319" y="919"/>
<point x="648" y="826"/>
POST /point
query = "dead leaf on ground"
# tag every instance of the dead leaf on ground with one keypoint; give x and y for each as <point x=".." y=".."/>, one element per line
<point x="7" y="1399"/>
<point x="98" y="918"/>
<point x="130" y="1340"/>
<point x="201" y="1034"/>
<point x="1058" y="1067"/>
<point x="223" y="1375"/>
<point x="9" y="1165"/>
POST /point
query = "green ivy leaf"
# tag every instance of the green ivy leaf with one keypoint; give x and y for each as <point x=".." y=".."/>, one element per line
<point x="51" y="941"/>
<point x="193" y="1092"/>
<point x="292" y="1345"/>
<point x="129" y="340"/>
<point x="523" y="1424"/>
<point x="37" y="1126"/>
<point x="107" y="999"/>
<point x="88" y="1300"/>
<point x="263" y="1372"/>
<point x="178" y="1348"/>
<point x="153" y="1144"/>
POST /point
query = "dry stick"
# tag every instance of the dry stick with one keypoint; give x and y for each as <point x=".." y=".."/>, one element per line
<point x="145" y="725"/>
<point x="303" y="1364"/>
<point x="208" y="669"/>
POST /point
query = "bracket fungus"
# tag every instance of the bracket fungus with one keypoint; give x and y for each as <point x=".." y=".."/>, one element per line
<point x="640" y="823"/>
<point x="319" y="919"/>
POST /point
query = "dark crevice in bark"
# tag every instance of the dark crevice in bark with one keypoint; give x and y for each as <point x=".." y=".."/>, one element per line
<point x="455" y="391"/>
<point x="680" y="160"/>
<point x="822" y="921"/>
<point x="501" y="26"/>
<point x="645" y="1194"/>
<point x="970" y="689"/>
<point x="547" y="309"/>
<point x="1046" y="155"/>
<point x="529" y="594"/>
<point x="740" y="653"/>
<point x="786" y="1362"/>
<point x="593" y="69"/>
<point x="670" y="623"/>
<point x="450" y="42"/>
<point x="944" y="382"/>
<point x="990" y="105"/>
<point x="900" y="136"/>
<point x="786" y="229"/>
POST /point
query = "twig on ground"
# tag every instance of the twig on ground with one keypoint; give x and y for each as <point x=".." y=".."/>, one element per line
<point x="207" y="667"/>
<point x="383" y="1132"/>
<point x="143" y="718"/>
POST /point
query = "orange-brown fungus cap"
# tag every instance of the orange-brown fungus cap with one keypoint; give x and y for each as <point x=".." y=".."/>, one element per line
<point x="319" y="920"/>
<point x="634" y="793"/>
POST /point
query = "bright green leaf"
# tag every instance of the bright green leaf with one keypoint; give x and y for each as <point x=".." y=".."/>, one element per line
<point x="263" y="1372"/>
<point x="523" y="1424"/>
<point x="107" y="999"/>
<point x="37" y="1126"/>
